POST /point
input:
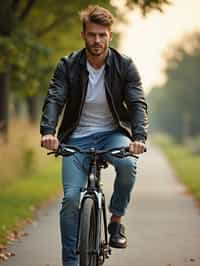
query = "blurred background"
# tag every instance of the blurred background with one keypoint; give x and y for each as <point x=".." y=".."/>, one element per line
<point x="162" y="37"/>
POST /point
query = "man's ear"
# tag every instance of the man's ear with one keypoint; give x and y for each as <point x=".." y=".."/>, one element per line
<point x="111" y="35"/>
<point x="82" y="35"/>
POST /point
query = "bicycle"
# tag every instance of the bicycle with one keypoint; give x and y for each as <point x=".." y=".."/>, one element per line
<point x="92" y="242"/>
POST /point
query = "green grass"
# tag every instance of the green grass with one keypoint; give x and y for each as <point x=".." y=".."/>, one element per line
<point x="19" y="199"/>
<point x="185" y="163"/>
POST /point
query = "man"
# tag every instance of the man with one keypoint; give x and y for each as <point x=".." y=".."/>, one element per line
<point x="104" y="107"/>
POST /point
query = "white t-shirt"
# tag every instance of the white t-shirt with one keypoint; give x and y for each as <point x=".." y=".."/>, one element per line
<point x="96" y="115"/>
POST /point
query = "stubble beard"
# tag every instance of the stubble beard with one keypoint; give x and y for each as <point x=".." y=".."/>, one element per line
<point x="93" y="53"/>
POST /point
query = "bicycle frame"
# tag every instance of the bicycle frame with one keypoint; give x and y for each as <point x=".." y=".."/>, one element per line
<point x="94" y="190"/>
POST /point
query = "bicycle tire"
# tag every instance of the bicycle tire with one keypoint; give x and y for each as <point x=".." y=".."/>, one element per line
<point x="88" y="224"/>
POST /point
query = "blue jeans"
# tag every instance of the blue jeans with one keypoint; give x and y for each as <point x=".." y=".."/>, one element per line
<point x="74" y="169"/>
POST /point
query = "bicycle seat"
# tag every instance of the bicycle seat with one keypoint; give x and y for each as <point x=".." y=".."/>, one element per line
<point x="102" y="163"/>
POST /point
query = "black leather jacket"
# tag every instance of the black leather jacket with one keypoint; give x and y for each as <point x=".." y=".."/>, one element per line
<point x="68" y="88"/>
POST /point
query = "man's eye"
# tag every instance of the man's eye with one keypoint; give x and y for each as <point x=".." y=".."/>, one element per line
<point x="91" y="34"/>
<point x="103" y="35"/>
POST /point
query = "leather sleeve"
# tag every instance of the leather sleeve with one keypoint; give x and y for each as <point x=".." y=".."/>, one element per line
<point x="136" y="104"/>
<point x="55" y="100"/>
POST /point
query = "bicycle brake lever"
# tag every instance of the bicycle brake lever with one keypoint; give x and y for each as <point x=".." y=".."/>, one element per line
<point x="57" y="152"/>
<point x="51" y="152"/>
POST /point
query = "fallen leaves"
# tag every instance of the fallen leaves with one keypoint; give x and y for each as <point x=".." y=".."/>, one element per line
<point x="3" y="254"/>
<point x="6" y="255"/>
<point x="13" y="235"/>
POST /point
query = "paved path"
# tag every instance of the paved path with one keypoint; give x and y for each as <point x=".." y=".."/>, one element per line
<point x="163" y="224"/>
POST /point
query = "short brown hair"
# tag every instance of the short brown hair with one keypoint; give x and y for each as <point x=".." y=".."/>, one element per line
<point x="96" y="14"/>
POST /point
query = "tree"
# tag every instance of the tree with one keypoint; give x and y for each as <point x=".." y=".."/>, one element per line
<point x="178" y="102"/>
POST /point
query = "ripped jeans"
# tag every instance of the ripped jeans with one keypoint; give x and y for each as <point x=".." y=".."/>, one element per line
<point x="74" y="169"/>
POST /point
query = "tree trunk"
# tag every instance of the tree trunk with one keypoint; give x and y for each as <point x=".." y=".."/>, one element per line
<point x="17" y="108"/>
<point x="32" y="104"/>
<point x="4" y="92"/>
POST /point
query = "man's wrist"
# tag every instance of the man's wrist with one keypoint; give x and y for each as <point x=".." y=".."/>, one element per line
<point x="139" y="139"/>
<point x="47" y="131"/>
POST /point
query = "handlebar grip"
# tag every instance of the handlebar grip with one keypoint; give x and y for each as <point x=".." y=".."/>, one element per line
<point x="51" y="152"/>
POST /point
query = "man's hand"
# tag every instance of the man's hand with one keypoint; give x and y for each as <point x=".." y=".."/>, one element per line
<point x="50" y="142"/>
<point x="136" y="147"/>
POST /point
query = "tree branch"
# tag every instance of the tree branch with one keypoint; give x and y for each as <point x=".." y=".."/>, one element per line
<point x="27" y="9"/>
<point x="147" y="5"/>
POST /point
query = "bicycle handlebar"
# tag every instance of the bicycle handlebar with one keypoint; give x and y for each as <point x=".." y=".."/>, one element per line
<point x="68" y="150"/>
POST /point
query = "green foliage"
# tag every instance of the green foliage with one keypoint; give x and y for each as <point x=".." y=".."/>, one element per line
<point x="19" y="200"/>
<point x="185" y="163"/>
<point x="28" y="160"/>
<point x="193" y="144"/>
<point x="175" y="105"/>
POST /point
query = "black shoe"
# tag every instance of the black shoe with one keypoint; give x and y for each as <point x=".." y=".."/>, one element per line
<point x="117" y="235"/>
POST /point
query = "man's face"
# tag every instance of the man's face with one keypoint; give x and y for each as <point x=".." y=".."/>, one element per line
<point x="97" y="38"/>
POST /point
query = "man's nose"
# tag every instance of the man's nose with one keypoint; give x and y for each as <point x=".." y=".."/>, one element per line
<point x="97" y="38"/>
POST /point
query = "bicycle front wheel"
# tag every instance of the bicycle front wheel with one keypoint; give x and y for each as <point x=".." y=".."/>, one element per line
<point x="88" y="229"/>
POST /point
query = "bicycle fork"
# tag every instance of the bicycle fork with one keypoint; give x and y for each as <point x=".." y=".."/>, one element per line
<point x="102" y="249"/>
